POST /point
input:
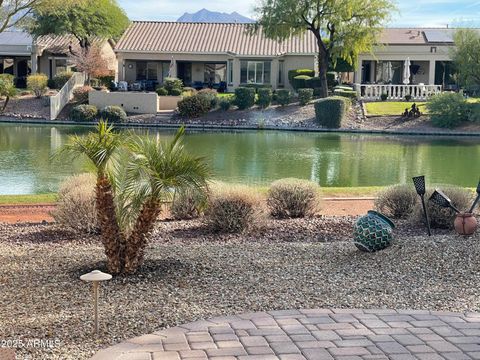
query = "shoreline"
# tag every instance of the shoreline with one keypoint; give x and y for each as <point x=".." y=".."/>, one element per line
<point x="208" y="127"/>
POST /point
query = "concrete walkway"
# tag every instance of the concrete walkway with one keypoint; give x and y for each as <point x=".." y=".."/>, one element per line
<point x="312" y="334"/>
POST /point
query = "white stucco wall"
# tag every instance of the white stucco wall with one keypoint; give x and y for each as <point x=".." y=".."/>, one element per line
<point x="131" y="102"/>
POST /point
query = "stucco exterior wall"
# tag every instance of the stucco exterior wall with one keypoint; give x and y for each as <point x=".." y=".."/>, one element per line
<point x="294" y="62"/>
<point x="131" y="102"/>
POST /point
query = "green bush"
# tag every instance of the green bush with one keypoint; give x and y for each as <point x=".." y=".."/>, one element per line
<point x="173" y="85"/>
<point x="314" y="82"/>
<point x="51" y="84"/>
<point x="233" y="209"/>
<point x="211" y="95"/>
<point x="106" y="80"/>
<point x="448" y="110"/>
<point x="330" y="112"/>
<point x="189" y="91"/>
<point x="161" y="91"/>
<point x="80" y="94"/>
<point x="244" y="97"/>
<point x="114" y="114"/>
<point x="225" y="104"/>
<point x="384" y="97"/>
<point x="474" y="112"/>
<point x="283" y="97"/>
<point x="293" y="198"/>
<point x="258" y="86"/>
<point x="408" y="97"/>
<point x="331" y="79"/>
<point x="264" y="97"/>
<point x="194" y="106"/>
<point x="176" y="92"/>
<point x="397" y="201"/>
<point x="84" y="113"/>
<point x="305" y="96"/>
<point x="300" y="81"/>
<point x="297" y="72"/>
<point x="37" y="83"/>
<point x="442" y="218"/>
<point x="61" y="79"/>
<point x="188" y="205"/>
<point x="351" y="94"/>
<point x="317" y="91"/>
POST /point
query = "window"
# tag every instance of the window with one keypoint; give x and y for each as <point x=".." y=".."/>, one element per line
<point x="215" y="73"/>
<point x="146" y="70"/>
<point x="230" y="72"/>
<point x="281" y="71"/>
<point x="255" y="72"/>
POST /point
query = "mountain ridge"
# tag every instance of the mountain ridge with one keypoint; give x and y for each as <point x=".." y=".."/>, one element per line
<point x="208" y="16"/>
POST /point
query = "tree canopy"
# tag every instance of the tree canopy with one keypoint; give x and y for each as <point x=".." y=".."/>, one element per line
<point x="466" y="56"/>
<point x="14" y="13"/>
<point x="84" y="19"/>
<point x="342" y="28"/>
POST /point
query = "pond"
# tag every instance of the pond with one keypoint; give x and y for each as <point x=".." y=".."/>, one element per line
<point x="259" y="157"/>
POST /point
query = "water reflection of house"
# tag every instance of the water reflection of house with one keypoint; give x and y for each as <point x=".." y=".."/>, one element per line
<point x="20" y="55"/>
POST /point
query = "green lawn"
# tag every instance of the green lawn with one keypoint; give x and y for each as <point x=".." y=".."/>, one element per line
<point x="28" y="199"/>
<point x="392" y="108"/>
<point x="226" y="95"/>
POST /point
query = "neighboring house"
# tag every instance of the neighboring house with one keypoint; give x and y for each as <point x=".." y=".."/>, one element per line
<point x="209" y="54"/>
<point x="21" y="56"/>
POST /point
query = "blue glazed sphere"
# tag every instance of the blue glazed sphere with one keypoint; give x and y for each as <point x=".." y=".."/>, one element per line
<point x="373" y="232"/>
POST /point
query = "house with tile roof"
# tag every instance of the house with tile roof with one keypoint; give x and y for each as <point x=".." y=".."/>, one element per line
<point x="20" y="55"/>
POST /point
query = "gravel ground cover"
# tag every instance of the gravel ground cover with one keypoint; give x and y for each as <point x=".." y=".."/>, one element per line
<point x="191" y="274"/>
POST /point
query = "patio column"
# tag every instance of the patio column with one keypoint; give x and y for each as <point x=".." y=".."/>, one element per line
<point x="274" y="74"/>
<point x="236" y="72"/>
<point x="373" y="70"/>
<point x="358" y="72"/>
<point x="431" y="72"/>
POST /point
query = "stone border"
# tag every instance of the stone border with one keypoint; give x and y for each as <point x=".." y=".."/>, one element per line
<point x="38" y="121"/>
<point x="312" y="334"/>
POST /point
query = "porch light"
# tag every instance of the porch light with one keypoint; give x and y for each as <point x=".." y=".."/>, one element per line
<point x="95" y="277"/>
<point x="476" y="200"/>
<point x="439" y="198"/>
<point x="419" y="183"/>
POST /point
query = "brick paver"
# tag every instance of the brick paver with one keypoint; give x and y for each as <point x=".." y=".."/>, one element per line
<point x="311" y="334"/>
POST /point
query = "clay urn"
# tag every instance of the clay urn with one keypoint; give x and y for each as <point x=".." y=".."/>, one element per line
<point x="465" y="223"/>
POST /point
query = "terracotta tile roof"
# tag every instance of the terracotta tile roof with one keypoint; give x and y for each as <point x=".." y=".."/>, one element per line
<point x="59" y="44"/>
<point x="176" y="37"/>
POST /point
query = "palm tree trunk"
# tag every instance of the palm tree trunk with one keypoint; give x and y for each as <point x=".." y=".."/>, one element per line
<point x="137" y="240"/>
<point x="112" y="237"/>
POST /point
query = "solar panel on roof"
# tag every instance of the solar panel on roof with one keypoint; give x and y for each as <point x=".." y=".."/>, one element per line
<point x="439" y="35"/>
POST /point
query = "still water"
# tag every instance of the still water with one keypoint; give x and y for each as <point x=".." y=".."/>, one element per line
<point x="258" y="157"/>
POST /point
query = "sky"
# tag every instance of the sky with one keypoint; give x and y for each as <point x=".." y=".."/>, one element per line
<point x="420" y="13"/>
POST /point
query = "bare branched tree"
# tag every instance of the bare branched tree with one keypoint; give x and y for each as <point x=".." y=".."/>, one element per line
<point x="13" y="13"/>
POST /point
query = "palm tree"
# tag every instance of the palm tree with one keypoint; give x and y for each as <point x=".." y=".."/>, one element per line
<point x="155" y="172"/>
<point x="100" y="148"/>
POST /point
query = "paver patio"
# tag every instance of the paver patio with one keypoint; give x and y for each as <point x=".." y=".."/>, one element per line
<point x="312" y="334"/>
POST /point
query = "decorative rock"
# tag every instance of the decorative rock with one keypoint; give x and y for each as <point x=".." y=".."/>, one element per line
<point x="373" y="232"/>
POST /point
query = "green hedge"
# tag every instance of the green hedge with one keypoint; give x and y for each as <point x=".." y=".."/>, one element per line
<point x="305" y="96"/>
<point x="264" y="97"/>
<point x="258" y="86"/>
<point x="449" y="110"/>
<point x="283" y="97"/>
<point x="330" y="112"/>
<point x="297" y="72"/>
<point x="351" y="94"/>
<point x="113" y="114"/>
<point x="194" y="106"/>
<point x="244" y="97"/>
<point x="300" y="81"/>
<point x="84" y="113"/>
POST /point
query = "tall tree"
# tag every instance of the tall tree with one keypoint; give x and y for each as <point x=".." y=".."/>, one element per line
<point x="466" y="56"/>
<point x="342" y="28"/>
<point x="14" y="13"/>
<point x="84" y="19"/>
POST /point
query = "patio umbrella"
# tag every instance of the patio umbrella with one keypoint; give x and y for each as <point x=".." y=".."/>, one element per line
<point x="406" y="72"/>
<point x="388" y="72"/>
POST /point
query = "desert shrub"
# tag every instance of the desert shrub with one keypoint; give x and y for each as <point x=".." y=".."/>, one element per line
<point x="233" y="209"/>
<point x="317" y="91"/>
<point x="331" y="111"/>
<point x="442" y="218"/>
<point x="61" y="79"/>
<point x="350" y="94"/>
<point x="300" y="81"/>
<point x="106" y="80"/>
<point x="298" y="72"/>
<point x="384" y="97"/>
<point x="258" y="86"/>
<point x="161" y="91"/>
<point x="7" y="89"/>
<point x="114" y="114"/>
<point x="188" y="205"/>
<point x="37" y="83"/>
<point x="244" y="97"/>
<point x="408" y="97"/>
<point x="225" y="104"/>
<point x="305" y="96"/>
<point x="176" y="92"/>
<point x="211" y="96"/>
<point x="283" y="97"/>
<point x="264" y="97"/>
<point x="173" y="85"/>
<point x="397" y="201"/>
<point x="448" y="110"/>
<point x="314" y="82"/>
<point x="51" y="84"/>
<point x="293" y="198"/>
<point x="474" y="112"/>
<point x="84" y="113"/>
<point x="75" y="208"/>
<point x="80" y="94"/>
<point x="189" y="91"/>
<point x="194" y="106"/>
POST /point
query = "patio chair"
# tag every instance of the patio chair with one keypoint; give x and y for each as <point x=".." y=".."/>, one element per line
<point x="122" y="86"/>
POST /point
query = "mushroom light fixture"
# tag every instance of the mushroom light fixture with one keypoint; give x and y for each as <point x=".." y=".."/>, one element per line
<point x="439" y="198"/>
<point x="95" y="277"/>
<point x="476" y="200"/>
<point x="419" y="183"/>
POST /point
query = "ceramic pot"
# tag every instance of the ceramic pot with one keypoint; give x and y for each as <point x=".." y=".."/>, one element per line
<point x="465" y="224"/>
<point x="373" y="232"/>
